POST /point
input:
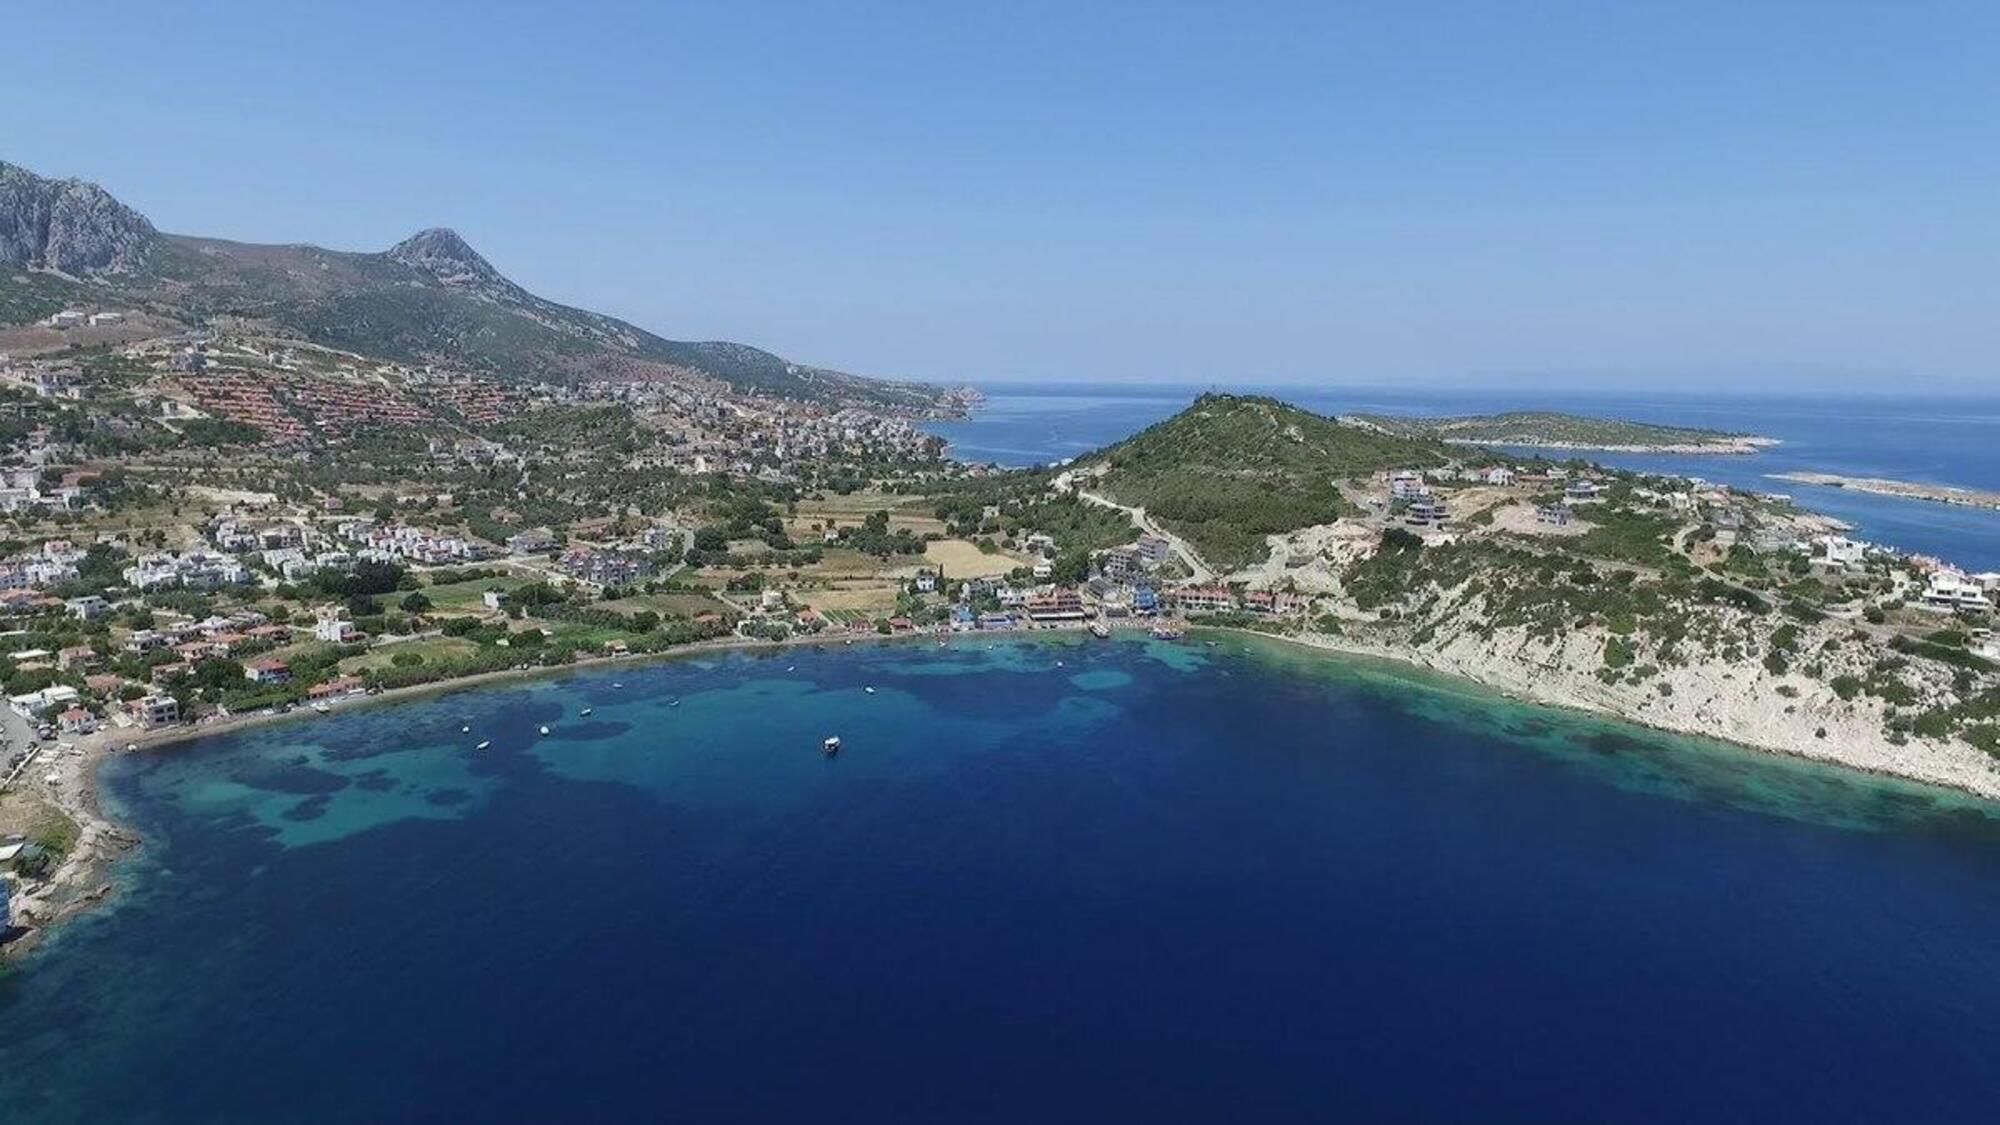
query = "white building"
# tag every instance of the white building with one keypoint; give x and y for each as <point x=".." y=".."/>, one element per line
<point x="1951" y="589"/>
<point x="1840" y="551"/>
<point x="35" y="704"/>
<point x="334" y="627"/>
<point x="1406" y="484"/>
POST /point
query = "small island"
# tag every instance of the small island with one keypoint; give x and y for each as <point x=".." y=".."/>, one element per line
<point x="1900" y="489"/>
<point x="1543" y="429"/>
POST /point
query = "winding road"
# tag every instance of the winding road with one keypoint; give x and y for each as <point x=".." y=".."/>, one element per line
<point x="1200" y="570"/>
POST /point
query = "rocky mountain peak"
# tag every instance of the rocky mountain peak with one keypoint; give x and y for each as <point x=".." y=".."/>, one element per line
<point x="443" y="254"/>
<point x="69" y="225"/>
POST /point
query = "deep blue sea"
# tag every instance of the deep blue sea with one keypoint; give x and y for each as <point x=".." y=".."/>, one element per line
<point x="1048" y="879"/>
<point x="1940" y="440"/>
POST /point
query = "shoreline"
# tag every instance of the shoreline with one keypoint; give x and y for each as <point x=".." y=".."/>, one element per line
<point x="1720" y="447"/>
<point x="1948" y="494"/>
<point x="1831" y="754"/>
<point x="83" y="879"/>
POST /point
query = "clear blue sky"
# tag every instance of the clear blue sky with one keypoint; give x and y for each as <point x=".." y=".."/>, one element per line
<point x="1747" y="193"/>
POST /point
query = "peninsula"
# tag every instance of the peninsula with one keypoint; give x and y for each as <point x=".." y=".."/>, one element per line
<point x="1900" y="489"/>
<point x="1535" y="429"/>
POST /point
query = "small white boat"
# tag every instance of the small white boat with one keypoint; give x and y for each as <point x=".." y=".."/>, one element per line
<point x="792" y="668"/>
<point x="321" y="707"/>
<point x="675" y="703"/>
<point x="585" y="712"/>
<point x="869" y="690"/>
<point x="1059" y="664"/>
<point x="466" y="729"/>
<point x="484" y="745"/>
<point x="830" y="747"/>
<point x="616" y="685"/>
<point x="545" y="732"/>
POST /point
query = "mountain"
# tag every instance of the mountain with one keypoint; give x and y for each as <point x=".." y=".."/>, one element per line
<point x="1232" y="469"/>
<point x="67" y="225"/>
<point x="429" y="298"/>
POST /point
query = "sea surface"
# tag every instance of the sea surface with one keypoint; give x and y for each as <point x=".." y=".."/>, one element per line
<point x="1047" y="879"/>
<point x="1933" y="439"/>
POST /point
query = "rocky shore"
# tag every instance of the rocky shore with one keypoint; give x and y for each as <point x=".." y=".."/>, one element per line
<point x="1740" y="703"/>
<point x="1900" y="489"/>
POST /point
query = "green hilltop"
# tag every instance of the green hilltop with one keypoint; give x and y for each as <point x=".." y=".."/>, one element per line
<point x="1232" y="469"/>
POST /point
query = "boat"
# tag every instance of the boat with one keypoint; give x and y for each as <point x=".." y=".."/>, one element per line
<point x="1100" y="630"/>
<point x="586" y="711"/>
<point x="869" y="690"/>
<point x="831" y="746"/>
<point x="617" y="685"/>
<point x="675" y="703"/>
<point x="545" y="731"/>
<point x="466" y="729"/>
<point x="321" y="707"/>
<point x="1166" y="633"/>
<point x="484" y="745"/>
<point x="792" y="668"/>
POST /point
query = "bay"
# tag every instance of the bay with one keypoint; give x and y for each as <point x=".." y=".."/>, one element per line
<point x="1046" y="878"/>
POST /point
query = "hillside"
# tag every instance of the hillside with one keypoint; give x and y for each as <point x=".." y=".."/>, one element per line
<point x="1230" y="470"/>
<point x="1553" y="430"/>
<point x="430" y="298"/>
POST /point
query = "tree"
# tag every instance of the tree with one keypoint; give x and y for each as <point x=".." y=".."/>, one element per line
<point x="416" y="602"/>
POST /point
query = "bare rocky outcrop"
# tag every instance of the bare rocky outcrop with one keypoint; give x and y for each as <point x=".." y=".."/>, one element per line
<point x="69" y="226"/>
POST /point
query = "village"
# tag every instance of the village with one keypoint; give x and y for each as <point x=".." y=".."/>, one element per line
<point x="210" y="528"/>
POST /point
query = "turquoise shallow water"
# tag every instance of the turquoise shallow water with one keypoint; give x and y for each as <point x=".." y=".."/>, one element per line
<point x="1050" y="877"/>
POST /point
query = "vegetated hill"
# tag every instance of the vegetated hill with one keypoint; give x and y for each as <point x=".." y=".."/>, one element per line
<point x="428" y="298"/>
<point x="1230" y="470"/>
<point x="1557" y="430"/>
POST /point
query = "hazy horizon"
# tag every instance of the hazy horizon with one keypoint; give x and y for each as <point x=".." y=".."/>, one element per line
<point x="1703" y="198"/>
